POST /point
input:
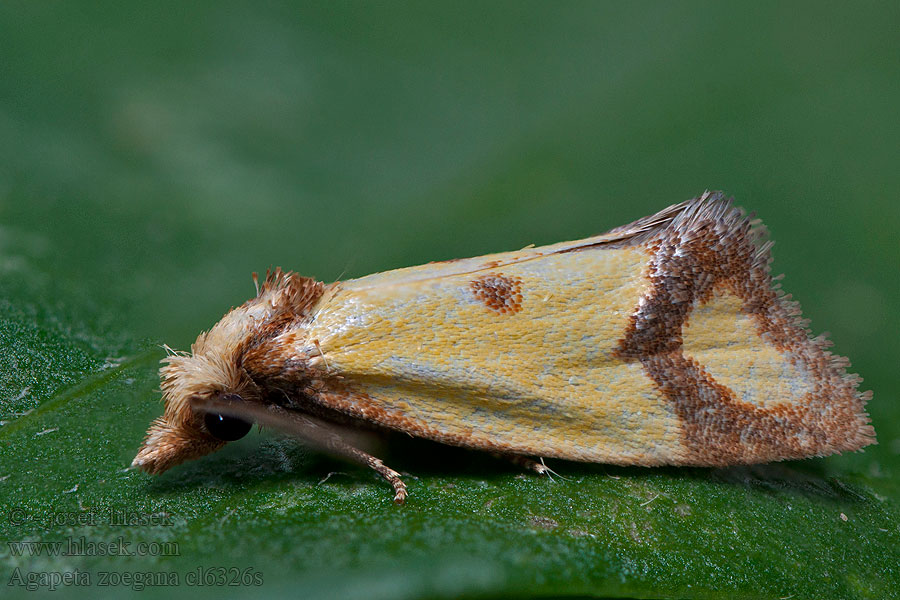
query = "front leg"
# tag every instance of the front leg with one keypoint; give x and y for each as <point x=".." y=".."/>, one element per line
<point x="308" y="428"/>
<point x="339" y="446"/>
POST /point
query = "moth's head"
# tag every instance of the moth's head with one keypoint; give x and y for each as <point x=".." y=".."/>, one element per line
<point x="214" y="371"/>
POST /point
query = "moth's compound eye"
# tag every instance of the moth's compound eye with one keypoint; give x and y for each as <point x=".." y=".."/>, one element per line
<point x="226" y="427"/>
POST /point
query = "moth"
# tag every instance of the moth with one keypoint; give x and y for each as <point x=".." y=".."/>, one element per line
<point x="662" y="342"/>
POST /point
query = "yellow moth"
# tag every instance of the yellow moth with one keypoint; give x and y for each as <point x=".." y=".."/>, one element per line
<point x="662" y="342"/>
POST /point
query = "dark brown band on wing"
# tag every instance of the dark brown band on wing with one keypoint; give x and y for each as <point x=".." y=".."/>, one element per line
<point x="690" y="258"/>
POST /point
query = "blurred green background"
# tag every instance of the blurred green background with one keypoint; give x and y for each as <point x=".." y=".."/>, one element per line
<point x="153" y="155"/>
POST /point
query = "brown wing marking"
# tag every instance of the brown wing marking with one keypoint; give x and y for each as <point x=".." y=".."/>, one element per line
<point x="498" y="292"/>
<point x="712" y="244"/>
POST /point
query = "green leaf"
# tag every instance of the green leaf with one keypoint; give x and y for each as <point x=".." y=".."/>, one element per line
<point x="152" y="157"/>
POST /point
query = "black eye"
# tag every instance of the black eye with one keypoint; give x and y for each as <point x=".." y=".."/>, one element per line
<point x="226" y="428"/>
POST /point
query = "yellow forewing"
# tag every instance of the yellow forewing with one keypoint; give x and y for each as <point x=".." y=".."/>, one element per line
<point x="541" y="379"/>
<point x="726" y="343"/>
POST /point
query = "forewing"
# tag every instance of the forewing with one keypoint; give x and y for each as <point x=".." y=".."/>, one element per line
<point x="662" y="342"/>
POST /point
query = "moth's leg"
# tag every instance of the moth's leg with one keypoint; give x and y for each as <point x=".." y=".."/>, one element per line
<point x="322" y="434"/>
<point x="528" y="463"/>
<point x="339" y="446"/>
